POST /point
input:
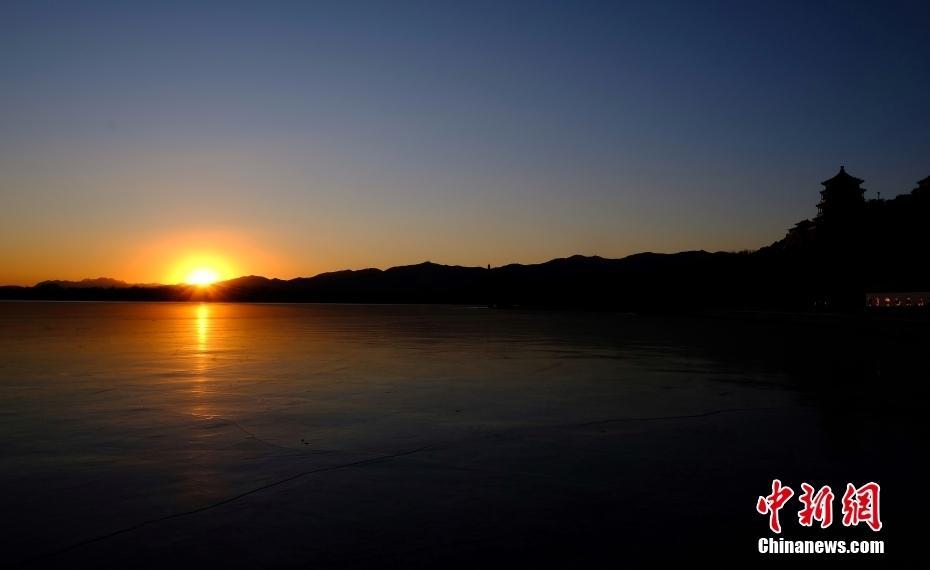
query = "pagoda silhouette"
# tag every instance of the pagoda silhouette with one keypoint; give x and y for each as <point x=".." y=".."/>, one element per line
<point x="842" y="197"/>
<point x="855" y="247"/>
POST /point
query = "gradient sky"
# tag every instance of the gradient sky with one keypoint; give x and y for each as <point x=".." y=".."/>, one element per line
<point x="290" y="138"/>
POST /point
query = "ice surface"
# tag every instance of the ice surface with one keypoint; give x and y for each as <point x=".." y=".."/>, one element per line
<point x="157" y="435"/>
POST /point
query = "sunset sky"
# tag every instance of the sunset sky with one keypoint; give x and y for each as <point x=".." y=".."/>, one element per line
<point x="142" y="140"/>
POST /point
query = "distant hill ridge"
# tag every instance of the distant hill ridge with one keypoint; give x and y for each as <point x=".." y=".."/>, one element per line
<point x="773" y="277"/>
<point x="829" y="262"/>
<point x="107" y="282"/>
<point x="558" y="281"/>
<point x="98" y="282"/>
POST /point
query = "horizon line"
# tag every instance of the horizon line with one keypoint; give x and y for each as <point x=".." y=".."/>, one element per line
<point x="369" y="268"/>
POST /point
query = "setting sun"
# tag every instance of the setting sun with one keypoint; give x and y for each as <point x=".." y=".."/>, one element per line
<point x="202" y="277"/>
<point x="201" y="268"/>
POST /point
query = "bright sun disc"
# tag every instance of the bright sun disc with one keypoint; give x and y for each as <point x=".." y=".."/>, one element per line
<point x="202" y="277"/>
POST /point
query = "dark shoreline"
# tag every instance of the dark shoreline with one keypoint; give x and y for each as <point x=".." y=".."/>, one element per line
<point x="694" y="281"/>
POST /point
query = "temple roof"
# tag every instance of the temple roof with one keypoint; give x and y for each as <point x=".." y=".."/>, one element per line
<point x="842" y="178"/>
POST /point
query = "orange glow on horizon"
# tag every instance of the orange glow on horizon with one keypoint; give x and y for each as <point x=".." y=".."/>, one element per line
<point x="202" y="269"/>
<point x="193" y="257"/>
<point x="202" y="277"/>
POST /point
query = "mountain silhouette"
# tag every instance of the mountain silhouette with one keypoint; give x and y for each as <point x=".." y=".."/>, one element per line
<point x="104" y="282"/>
<point x="853" y="246"/>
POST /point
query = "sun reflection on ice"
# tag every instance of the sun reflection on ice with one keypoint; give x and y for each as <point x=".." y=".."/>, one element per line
<point x="203" y="327"/>
<point x="200" y="354"/>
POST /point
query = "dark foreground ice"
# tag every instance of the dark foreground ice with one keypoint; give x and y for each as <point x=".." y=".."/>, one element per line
<point x="314" y="436"/>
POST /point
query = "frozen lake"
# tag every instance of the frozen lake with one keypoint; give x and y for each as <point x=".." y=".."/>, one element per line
<point x="159" y="435"/>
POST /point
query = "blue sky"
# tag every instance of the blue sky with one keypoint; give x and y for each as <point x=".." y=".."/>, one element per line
<point x="299" y="137"/>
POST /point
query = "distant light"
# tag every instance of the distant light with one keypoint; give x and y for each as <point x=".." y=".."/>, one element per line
<point x="202" y="277"/>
